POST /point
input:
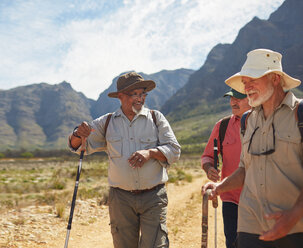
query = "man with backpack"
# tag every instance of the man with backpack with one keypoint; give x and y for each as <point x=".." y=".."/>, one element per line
<point x="227" y="133"/>
<point x="270" y="212"/>
<point x="140" y="145"/>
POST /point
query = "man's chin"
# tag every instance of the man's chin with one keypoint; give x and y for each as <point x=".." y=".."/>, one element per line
<point x="137" y="109"/>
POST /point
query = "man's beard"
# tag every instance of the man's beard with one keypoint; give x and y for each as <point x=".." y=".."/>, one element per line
<point x="261" y="98"/>
<point x="137" y="111"/>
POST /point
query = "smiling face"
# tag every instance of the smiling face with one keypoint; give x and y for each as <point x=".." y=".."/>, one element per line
<point x="132" y="101"/>
<point x="239" y="106"/>
<point x="258" y="90"/>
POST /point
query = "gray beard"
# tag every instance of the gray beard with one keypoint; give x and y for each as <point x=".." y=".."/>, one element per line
<point x="262" y="98"/>
<point x="136" y="111"/>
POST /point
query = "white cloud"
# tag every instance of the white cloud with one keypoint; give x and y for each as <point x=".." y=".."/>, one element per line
<point x="88" y="43"/>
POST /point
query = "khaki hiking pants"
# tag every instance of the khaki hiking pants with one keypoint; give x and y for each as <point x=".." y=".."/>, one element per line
<point x="138" y="220"/>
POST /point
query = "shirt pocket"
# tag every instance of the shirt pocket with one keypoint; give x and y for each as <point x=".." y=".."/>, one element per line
<point x="229" y="140"/>
<point x="288" y="146"/>
<point x="147" y="143"/>
<point x="114" y="146"/>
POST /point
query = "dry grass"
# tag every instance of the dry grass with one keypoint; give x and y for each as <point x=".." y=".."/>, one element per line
<point x="30" y="182"/>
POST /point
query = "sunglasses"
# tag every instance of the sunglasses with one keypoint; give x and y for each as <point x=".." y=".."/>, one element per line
<point x="270" y="151"/>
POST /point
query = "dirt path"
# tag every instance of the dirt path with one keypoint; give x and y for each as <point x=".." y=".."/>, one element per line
<point x="37" y="226"/>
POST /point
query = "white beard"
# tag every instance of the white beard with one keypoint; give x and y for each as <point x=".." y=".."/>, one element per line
<point x="135" y="110"/>
<point x="261" y="98"/>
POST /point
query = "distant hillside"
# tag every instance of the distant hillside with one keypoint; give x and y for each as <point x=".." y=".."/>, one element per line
<point x="42" y="116"/>
<point x="282" y="32"/>
<point x="168" y="82"/>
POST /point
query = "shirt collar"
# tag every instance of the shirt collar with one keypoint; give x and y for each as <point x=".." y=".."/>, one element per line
<point x="290" y="100"/>
<point x="234" y="119"/>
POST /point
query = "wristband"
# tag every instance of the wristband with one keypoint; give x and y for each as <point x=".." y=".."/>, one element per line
<point x="75" y="133"/>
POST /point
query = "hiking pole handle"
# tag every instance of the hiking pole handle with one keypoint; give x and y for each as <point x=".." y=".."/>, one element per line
<point x="215" y="154"/>
<point x="215" y="200"/>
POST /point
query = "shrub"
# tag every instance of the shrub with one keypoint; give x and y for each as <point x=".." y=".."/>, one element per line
<point x="27" y="155"/>
<point x="60" y="209"/>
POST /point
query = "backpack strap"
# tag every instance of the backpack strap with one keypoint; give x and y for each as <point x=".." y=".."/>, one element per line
<point x="222" y="131"/>
<point x="244" y="121"/>
<point x="110" y="115"/>
<point x="107" y="122"/>
<point x="299" y="117"/>
<point x="154" y="117"/>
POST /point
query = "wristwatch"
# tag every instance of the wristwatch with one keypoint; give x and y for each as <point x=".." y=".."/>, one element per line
<point x="75" y="132"/>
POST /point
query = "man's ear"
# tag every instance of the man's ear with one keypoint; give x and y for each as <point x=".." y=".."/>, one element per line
<point x="120" y="96"/>
<point x="276" y="79"/>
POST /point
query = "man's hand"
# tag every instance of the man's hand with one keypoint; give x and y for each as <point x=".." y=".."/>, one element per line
<point x="285" y="220"/>
<point x="84" y="130"/>
<point x="138" y="158"/>
<point x="211" y="173"/>
<point x="213" y="187"/>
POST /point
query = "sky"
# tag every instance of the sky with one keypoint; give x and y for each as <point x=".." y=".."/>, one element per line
<point x="89" y="42"/>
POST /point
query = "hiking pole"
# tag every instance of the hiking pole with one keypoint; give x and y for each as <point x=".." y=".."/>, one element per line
<point x="205" y="217"/>
<point x="69" y="225"/>
<point x="215" y="201"/>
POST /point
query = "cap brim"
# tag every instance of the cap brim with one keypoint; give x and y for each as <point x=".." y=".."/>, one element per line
<point x="147" y="85"/>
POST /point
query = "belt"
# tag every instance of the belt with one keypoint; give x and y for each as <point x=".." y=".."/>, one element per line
<point x="140" y="191"/>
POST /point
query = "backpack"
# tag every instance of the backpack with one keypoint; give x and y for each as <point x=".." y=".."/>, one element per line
<point x="110" y="116"/>
<point x="222" y="131"/>
<point x="298" y="113"/>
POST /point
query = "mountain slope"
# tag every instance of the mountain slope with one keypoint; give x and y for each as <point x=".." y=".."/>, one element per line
<point x="282" y="32"/>
<point x="40" y="115"/>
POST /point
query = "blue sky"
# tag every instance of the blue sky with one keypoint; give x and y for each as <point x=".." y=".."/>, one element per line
<point x="89" y="42"/>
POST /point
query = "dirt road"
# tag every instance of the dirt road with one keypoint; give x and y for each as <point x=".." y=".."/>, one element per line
<point x="38" y="226"/>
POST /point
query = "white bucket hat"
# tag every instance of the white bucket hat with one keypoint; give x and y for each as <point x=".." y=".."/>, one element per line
<point x="260" y="62"/>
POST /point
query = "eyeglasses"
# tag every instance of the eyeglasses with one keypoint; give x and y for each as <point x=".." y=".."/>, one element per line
<point x="270" y="151"/>
<point x="135" y="96"/>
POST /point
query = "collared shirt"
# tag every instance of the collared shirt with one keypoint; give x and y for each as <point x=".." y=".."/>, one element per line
<point x="124" y="137"/>
<point x="272" y="182"/>
<point x="231" y="154"/>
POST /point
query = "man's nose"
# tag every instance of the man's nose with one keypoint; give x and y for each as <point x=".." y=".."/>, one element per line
<point x="247" y="86"/>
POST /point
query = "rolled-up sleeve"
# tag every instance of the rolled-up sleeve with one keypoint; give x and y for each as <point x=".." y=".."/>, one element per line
<point x="168" y="143"/>
<point x="96" y="141"/>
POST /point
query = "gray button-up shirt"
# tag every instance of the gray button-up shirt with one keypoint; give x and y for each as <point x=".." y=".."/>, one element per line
<point x="124" y="137"/>
<point x="272" y="182"/>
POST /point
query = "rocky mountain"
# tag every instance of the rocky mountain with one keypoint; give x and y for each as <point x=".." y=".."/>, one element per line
<point x="282" y="32"/>
<point x="168" y="82"/>
<point x="42" y="115"/>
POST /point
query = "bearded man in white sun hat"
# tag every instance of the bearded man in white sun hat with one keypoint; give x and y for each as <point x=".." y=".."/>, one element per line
<point x="271" y="163"/>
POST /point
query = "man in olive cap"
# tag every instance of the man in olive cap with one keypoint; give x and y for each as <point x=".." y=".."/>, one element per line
<point x="227" y="132"/>
<point x="271" y="164"/>
<point x="140" y="145"/>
